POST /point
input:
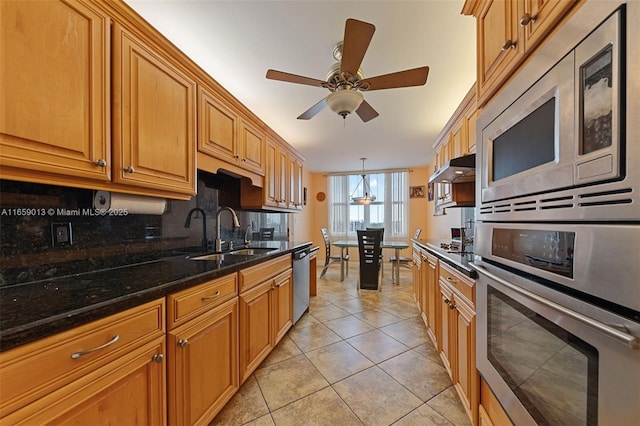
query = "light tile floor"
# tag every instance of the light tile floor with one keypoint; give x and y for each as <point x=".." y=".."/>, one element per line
<point x="357" y="358"/>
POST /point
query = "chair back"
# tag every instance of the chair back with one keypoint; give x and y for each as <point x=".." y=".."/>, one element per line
<point x="417" y="234"/>
<point x="369" y="250"/>
<point x="376" y="229"/>
<point x="327" y="243"/>
<point x="266" y="234"/>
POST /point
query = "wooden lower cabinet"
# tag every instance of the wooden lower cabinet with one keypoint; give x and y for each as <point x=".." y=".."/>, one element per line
<point x="433" y="298"/>
<point x="266" y="314"/>
<point x="86" y="373"/>
<point x="203" y="365"/>
<point x="490" y="412"/>
<point x="458" y="336"/>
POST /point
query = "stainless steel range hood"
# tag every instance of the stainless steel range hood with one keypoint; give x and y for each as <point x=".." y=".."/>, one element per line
<point x="457" y="170"/>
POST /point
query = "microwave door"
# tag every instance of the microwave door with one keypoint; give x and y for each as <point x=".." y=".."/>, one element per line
<point x="528" y="148"/>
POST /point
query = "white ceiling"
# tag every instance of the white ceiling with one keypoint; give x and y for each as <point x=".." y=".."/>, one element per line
<point x="237" y="41"/>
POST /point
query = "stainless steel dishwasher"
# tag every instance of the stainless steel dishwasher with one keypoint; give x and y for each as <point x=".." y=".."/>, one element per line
<point x="300" y="282"/>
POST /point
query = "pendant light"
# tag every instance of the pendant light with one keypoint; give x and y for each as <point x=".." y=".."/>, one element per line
<point x="368" y="197"/>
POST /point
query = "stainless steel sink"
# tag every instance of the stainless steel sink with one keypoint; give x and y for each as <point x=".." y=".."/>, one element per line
<point x="251" y="251"/>
<point x="213" y="257"/>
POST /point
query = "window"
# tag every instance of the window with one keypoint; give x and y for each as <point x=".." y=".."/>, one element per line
<point x="389" y="210"/>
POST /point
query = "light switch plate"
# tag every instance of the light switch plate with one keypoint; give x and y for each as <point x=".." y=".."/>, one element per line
<point x="61" y="234"/>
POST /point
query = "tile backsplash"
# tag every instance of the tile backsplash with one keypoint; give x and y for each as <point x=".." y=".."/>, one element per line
<point x="52" y="231"/>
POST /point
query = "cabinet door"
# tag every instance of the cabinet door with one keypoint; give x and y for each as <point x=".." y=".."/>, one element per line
<point x="272" y="174"/>
<point x="251" y="150"/>
<point x="467" y="375"/>
<point x="283" y="180"/>
<point x="424" y="294"/>
<point x="203" y="366"/>
<point x="295" y="183"/>
<point x="282" y="304"/>
<point x="433" y="301"/>
<point x="447" y="328"/>
<point x="540" y="16"/>
<point x="256" y="327"/>
<point x="54" y="81"/>
<point x="459" y="138"/>
<point x="154" y="118"/>
<point x="132" y="387"/>
<point x="217" y="127"/>
<point x="498" y="49"/>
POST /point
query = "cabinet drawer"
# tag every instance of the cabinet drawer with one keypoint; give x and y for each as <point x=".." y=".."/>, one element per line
<point x="256" y="274"/>
<point x="30" y="371"/>
<point x="465" y="286"/>
<point x="189" y="303"/>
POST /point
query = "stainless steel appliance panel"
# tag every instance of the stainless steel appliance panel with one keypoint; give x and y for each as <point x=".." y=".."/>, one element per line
<point x="604" y="258"/>
<point x="552" y="359"/>
<point x="301" y="289"/>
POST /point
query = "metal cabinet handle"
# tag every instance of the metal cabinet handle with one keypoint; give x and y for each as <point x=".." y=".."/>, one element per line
<point x="527" y="19"/>
<point x="452" y="280"/>
<point x="101" y="162"/>
<point x="130" y="169"/>
<point x="216" y="294"/>
<point x="509" y="44"/>
<point x="183" y="342"/>
<point x="157" y="358"/>
<point x="83" y="353"/>
<point x="452" y="306"/>
<point x="627" y="339"/>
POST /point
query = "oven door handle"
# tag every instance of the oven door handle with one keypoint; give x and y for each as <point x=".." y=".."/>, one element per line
<point x="627" y="339"/>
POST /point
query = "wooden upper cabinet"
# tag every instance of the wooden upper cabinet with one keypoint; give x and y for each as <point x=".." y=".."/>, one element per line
<point x="540" y="16"/>
<point x="275" y="178"/>
<point x="507" y="31"/>
<point x="217" y="127"/>
<point x="154" y="117"/>
<point x="499" y="49"/>
<point x="251" y="151"/>
<point x="55" y="91"/>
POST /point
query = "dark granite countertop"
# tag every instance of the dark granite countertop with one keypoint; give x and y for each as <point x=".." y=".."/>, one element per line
<point x="459" y="261"/>
<point x="34" y="310"/>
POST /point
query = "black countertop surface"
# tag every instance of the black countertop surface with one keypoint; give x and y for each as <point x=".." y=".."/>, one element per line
<point x="459" y="261"/>
<point x="34" y="310"/>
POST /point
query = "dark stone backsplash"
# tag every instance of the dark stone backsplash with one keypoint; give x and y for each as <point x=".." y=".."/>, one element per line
<point x="100" y="242"/>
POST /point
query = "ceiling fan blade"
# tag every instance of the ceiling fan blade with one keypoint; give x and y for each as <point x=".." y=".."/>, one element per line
<point x="366" y="112"/>
<point x="311" y="112"/>
<point x="357" y="36"/>
<point x="407" y="78"/>
<point x="292" y="78"/>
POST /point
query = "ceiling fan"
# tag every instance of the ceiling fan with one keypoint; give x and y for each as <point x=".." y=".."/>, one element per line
<point x="345" y="79"/>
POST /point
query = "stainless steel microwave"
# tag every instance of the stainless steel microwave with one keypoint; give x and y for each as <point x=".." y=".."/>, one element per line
<point x="561" y="141"/>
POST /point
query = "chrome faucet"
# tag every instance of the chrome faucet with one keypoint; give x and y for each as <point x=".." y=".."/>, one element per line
<point x="248" y="234"/>
<point x="236" y="224"/>
<point x="187" y="224"/>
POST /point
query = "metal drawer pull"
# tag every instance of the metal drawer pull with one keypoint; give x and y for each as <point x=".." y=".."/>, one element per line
<point x="101" y="163"/>
<point x="451" y="280"/>
<point x="632" y="341"/>
<point x="217" y="293"/>
<point x="527" y="19"/>
<point x="183" y="342"/>
<point x="82" y="353"/>
<point x="508" y="45"/>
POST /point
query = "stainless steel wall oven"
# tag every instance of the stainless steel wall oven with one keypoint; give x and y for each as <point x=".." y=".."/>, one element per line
<point x="557" y="237"/>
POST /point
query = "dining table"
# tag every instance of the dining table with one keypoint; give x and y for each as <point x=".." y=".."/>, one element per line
<point x="396" y="245"/>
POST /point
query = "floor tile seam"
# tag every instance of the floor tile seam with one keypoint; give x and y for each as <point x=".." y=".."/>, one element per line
<point x="375" y="363"/>
<point x="452" y="387"/>
<point x="264" y="399"/>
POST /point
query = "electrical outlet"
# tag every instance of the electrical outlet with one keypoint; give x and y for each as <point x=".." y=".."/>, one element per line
<point x="61" y="234"/>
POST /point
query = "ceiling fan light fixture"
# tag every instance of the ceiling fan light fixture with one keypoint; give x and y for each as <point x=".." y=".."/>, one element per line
<point x="344" y="102"/>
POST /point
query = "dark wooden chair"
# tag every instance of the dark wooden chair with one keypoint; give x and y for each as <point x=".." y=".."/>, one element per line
<point x="330" y="258"/>
<point x="266" y="234"/>
<point x="381" y="254"/>
<point x="369" y="250"/>
<point x="407" y="262"/>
